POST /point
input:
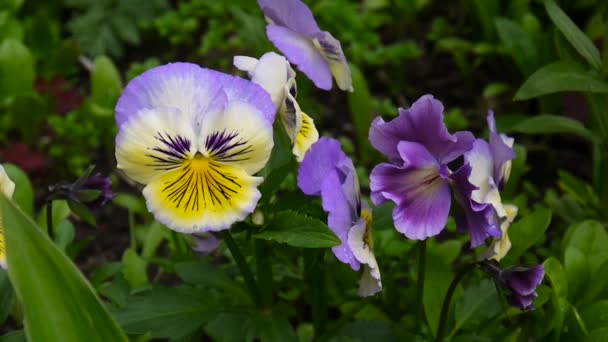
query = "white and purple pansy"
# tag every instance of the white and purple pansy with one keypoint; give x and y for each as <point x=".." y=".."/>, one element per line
<point x="419" y="148"/>
<point x="327" y="172"/>
<point x="294" y="31"/>
<point x="274" y="73"/>
<point x="195" y="137"/>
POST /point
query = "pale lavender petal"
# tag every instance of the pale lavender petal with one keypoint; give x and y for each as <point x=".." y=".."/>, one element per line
<point x="421" y="194"/>
<point x="300" y="50"/>
<point x="421" y="123"/>
<point x="502" y="152"/>
<point x="323" y="156"/>
<point x="477" y="218"/>
<point x="192" y="90"/>
<point x="331" y="49"/>
<point x="206" y="244"/>
<point x="293" y="14"/>
<point x="341" y="216"/>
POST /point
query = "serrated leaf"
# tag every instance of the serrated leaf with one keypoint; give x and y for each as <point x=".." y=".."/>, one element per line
<point x="478" y="303"/>
<point x="552" y="124"/>
<point x="298" y="230"/>
<point x="559" y="77"/>
<point x="574" y="35"/>
<point x="78" y="315"/>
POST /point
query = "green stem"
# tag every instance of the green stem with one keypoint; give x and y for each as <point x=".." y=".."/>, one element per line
<point x="175" y="238"/>
<point x="244" y="268"/>
<point x="264" y="271"/>
<point x="315" y="272"/>
<point x="420" y="284"/>
<point x="445" y="309"/>
<point x="49" y="219"/>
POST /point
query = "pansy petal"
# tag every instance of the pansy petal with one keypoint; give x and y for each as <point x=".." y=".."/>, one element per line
<point x="236" y="89"/>
<point x="245" y="63"/>
<point x="301" y="51"/>
<point x="306" y="137"/>
<point x="184" y="86"/>
<point x="322" y="157"/>
<point x="359" y="240"/>
<point x="502" y="152"/>
<point x="293" y="14"/>
<point x="153" y="142"/>
<point x="525" y="281"/>
<point x="271" y="74"/>
<point x="340" y="218"/>
<point x="482" y="167"/>
<point x="238" y="136"/>
<point x="499" y="248"/>
<point x="331" y="49"/>
<point x="290" y="116"/>
<point x="202" y="195"/>
<point x="423" y="198"/>
<point x="421" y="123"/>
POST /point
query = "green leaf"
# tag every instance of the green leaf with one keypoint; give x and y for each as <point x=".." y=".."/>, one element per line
<point x="77" y="314"/>
<point x="7" y="296"/>
<point x="83" y="212"/>
<point x="574" y="35"/>
<point x="298" y="230"/>
<point x="557" y="277"/>
<point x="136" y="204"/>
<point x="553" y="124"/>
<point x="479" y="302"/>
<point x="24" y="192"/>
<point x="559" y="77"/>
<point x="167" y="312"/>
<point x="14" y="336"/>
<point x="61" y="211"/>
<point x="577" y="271"/>
<point x="519" y="44"/>
<point x="203" y="274"/>
<point x="16" y="68"/>
<point x="361" y="105"/>
<point x="526" y="232"/>
<point x="590" y="238"/>
<point x="595" y="314"/>
<point x="135" y="269"/>
<point x="437" y="279"/>
<point x="106" y="85"/>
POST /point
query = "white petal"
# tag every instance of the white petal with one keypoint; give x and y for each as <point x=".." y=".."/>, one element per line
<point x="360" y="244"/>
<point x="238" y="136"/>
<point x="245" y="63"/>
<point x="482" y="167"/>
<point x="6" y="184"/>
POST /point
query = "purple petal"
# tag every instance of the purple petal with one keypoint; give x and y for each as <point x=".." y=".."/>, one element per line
<point x="502" y="152"/>
<point x="206" y="244"/>
<point x="421" y="194"/>
<point x="421" y="123"/>
<point x="478" y="219"/>
<point x="522" y="302"/>
<point x="192" y="90"/>
<point x="524" y="281"/>
<point x="341" y="216"/>
<point x="300" y="50"/>
<point x="323" y="156"/>
<point x="293" y="14"/>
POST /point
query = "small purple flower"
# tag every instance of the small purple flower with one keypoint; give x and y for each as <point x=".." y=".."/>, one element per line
<point x="520" y="282"/>
<point x="326" y="171"/>
<point x="294" y="31"/>
<point x="419" y="148"/>
<point x="100" y="184"/>
<point x="206" y="243"/>
<point x="92" y="190"/>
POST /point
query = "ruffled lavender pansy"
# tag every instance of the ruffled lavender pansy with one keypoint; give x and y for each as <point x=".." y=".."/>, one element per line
<point x="519" y="282"/>
<point x="417" y="179"/>
<point x="490" y="167"/>
<point x="327" y="172"/>
<point x="274" y="73"/>
<point x="7" y="187"/>
<point x="294" y="31"/>
<point x="195" y="137"/>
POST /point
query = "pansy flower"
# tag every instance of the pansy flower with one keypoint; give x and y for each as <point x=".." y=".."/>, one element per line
<point x="519" y="282"/>
<point x="490" y="164"/>
<point x="327" y="172"/>
<point x="294" y="31"/>
<point x="274" y="73"/>
<point x="8" y="188"/>
<point x="417" y="179"/>
<point x="195" y="137"/>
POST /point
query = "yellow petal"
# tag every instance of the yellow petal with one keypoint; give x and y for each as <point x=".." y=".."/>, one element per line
<point x="202" y="195"/>
<point x="307" y="136"/>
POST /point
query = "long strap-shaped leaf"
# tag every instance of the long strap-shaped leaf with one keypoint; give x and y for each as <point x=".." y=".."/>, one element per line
<point x="59" y="303"/>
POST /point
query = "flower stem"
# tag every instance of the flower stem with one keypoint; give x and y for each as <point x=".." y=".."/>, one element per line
<point x="448" y="299"/>
<point x="244" y="268"/>
<point x="315" y="272"/>
<point x="420" y="284"/>
<point x="264" y="271"/>
<point x="49" y="218"/>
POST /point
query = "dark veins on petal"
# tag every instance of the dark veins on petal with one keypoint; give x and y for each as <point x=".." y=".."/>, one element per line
<point x="224" y="146"/>
<point x="172" y="154"/>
